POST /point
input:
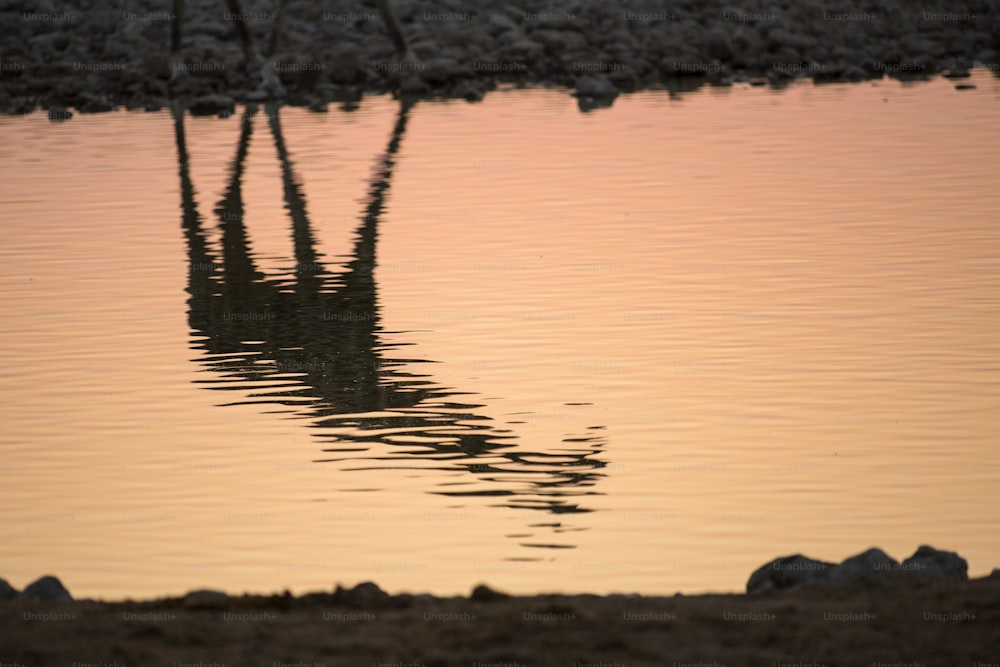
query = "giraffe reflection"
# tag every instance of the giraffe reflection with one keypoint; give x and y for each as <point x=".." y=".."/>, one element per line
<point x="310" y="341"/>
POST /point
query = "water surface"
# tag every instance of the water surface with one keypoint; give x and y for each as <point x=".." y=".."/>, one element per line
<point x="646" y="348"/>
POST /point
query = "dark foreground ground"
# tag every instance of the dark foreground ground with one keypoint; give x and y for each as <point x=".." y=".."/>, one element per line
<point x="94" y="56"/>
<point x="946" y="624"/>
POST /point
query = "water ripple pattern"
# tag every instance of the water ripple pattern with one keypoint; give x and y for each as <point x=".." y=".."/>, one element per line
<point x="643" y="348"/>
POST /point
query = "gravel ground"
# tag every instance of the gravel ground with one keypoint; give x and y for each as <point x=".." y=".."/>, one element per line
<point x="938" y="624"/>
<point x="94" y="56"/>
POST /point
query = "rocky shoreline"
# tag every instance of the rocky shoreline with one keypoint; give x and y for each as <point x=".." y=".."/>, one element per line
<point x="869" y="609"/>
<point x="71" y="55"/>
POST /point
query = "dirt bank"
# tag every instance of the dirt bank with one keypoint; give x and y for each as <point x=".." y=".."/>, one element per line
<point x="95" y="56"/>
<point x="939" y="623"/>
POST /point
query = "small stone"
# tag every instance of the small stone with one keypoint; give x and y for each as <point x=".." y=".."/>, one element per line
<point x="210" y="105"/>
<point x="524" y="50"/>
<point x="497" y="23"/>
<point x="717" y="44"/>
<point x="46" y="589"/>
<point x="782" y="75"/>
<point x="7" y="592"/>
<point x="623" y="79"/>
<point x="589" y="85"/>
<point x="553" y="40"/>
<point x="469" y="90"/>
<point x="346" y="65"/>
<point x="413" y="86"/>
<point x="58" y="113"/>
<point x="20" y="105"/>
<point x="402" y="600"/>
<point x="867" y="567"/>
<point x="853" y="73"/>
<point x="788" y="572"/>
<point x="965" y="86"/>
<point x="365" y="594"/>
<point x="368" y="592"/>
<point x="483" y="593"/>
<point x="588" y="104"/>
<point x="95" y="104"/>
<point x="155" y="104"/>
<point x="441" y="70"/>
<point x="205" y="598"/>
<point x="930" y="562"/>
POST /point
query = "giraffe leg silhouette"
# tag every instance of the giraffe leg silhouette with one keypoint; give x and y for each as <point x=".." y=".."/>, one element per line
<point x="270" y="85"/>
